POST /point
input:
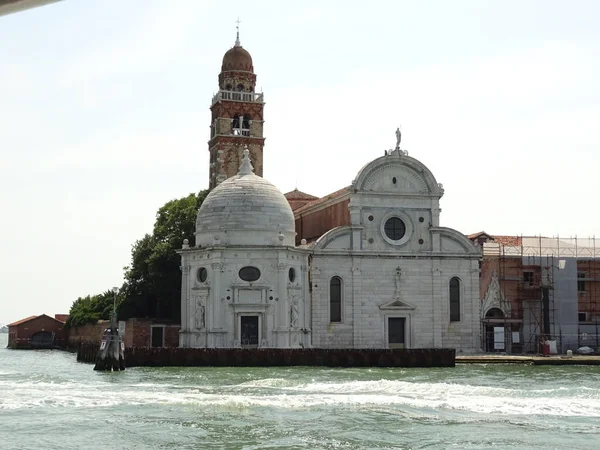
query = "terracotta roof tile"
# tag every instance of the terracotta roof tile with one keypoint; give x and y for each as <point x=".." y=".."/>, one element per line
<point x="324" y="199"/>
<point x="299" y="195"/>
<point x="19" y="322"/>
<point x="61" y="317"/>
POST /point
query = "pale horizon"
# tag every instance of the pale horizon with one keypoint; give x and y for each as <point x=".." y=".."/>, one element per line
<point x="104" y="117"/>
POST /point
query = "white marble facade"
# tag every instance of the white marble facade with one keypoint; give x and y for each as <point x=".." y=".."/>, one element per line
<point x="395" y="269"/>
<point x="402" y="282"/>
<point x="244" y="284"/>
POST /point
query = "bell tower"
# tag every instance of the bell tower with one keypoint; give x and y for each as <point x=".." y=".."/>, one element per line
<point x="237" y="117"/>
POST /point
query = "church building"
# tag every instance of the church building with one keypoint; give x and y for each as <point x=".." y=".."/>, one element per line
<point x="366" y="267"/>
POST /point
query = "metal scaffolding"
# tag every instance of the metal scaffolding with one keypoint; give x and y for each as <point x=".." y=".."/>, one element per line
<point x="528" y="269"/>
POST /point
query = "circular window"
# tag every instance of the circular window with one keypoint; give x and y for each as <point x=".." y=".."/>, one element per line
<point x="202" y="274"/>
<point x="292" y="274"/>
<point x="394" y="228"/>
<point x="249" y="273"/>
<point x="371" y="218"/>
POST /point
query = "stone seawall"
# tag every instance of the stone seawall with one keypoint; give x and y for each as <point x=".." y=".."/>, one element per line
<point x="270" y="357"/>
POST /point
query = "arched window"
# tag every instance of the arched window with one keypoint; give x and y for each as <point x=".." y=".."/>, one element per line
<point x="454" y="299"/>
<point x="236" y="125"/>
<point x="335" y="299"/>
<point x="240" y="87"/>
<point x="246" y="122"/>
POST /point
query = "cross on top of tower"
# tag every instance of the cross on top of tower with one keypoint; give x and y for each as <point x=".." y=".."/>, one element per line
<point x="237" y="37"/>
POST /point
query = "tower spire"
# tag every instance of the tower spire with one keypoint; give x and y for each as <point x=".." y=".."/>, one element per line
<point x="246" y="166"/>
<point x="237" y="36"/>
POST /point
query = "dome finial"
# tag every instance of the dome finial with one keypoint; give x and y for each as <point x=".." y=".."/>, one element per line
<point x="237" y="37"/>
<point x="246" y="166"/>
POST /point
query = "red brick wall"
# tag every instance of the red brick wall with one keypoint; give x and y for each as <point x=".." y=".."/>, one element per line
<point x="313" y="225"/>
<point x="91" y="332"/>
<point x="589" y="299"/>
<point x="137" y="333"/>
<point x="510" y="276"/>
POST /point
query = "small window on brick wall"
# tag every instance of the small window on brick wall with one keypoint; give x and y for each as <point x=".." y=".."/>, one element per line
<point x="580" y="281"/>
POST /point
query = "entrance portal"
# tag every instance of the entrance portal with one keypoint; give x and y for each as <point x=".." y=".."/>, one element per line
<point x="492" y="342"/>
<point x="396" y="326"/>
<point x="42" y="339"/>
<point x="249" y="331"/>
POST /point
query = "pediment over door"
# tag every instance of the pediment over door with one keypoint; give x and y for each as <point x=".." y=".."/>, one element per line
<point x="396" y="305"/>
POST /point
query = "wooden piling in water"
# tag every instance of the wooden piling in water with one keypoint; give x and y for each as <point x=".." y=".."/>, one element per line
<point x="111" y="354"/>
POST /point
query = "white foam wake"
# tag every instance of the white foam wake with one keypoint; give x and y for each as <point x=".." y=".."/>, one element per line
<point x="281" y="393"/>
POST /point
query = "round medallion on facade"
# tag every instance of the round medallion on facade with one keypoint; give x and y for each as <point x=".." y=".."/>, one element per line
<point x="202" y="274"/>
<point x="249" y="273"/>
<point x="396" y="228"/>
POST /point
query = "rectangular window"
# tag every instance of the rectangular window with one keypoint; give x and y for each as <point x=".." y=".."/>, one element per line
<point x="580" y="282"/>
<point x="157" y="336"/>
<point x="582" y="317"/>
<point x="528" y="278"/>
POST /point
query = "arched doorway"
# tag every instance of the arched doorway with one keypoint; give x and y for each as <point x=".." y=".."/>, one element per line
<point x="42" y="339"/>
<point x="492" y="317"/>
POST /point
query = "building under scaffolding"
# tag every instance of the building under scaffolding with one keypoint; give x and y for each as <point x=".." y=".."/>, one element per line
<point x="536" y="290"/>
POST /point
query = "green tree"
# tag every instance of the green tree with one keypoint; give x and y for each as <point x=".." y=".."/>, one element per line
<point x="153" y="279"/>
<point x="91" y="308"/>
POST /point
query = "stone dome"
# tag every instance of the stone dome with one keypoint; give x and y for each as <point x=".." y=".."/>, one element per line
<point x="237" y="58"/>
<point x="245" y="210"/>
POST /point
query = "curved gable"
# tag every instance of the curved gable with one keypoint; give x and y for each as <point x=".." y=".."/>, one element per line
<point x="396" y="173"/>
<point x="452" y="241"/>
<point x="339" y="238"/>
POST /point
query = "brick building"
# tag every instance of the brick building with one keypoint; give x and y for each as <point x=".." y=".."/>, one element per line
<point x="40" y="331"/>
<point x="535" y="289"/>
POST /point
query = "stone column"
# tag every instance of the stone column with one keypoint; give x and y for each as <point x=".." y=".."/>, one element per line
<point x="185" y="304"/>
<point x="282" y="314"/>
<point x="437" y="299"/>
<point x="214" y="304"/>
<point x="475" y="304"/>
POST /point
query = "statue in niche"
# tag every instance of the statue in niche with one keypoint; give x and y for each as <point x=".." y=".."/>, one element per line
<point x="294" y="314"/>
<point x="200" y="315"/>
<point x="398" y="275"/>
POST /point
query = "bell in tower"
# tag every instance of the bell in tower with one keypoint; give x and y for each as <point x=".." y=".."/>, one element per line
<point x="237" y="117"/>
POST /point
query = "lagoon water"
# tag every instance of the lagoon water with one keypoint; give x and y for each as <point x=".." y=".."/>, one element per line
<point x="48" y="400"/>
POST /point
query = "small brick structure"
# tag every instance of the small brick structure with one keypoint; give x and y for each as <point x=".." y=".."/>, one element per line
<point x="272" y="357"/>
<point x="138" y="333"/>
<point x="40" y="331"/>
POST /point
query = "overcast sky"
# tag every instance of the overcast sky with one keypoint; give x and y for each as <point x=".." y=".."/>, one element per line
<point x="104" y="117"/>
